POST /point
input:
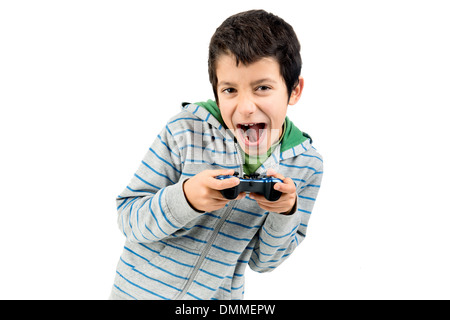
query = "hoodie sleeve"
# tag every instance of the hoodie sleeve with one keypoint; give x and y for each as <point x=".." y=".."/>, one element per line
<point x="281" y="234"/>
<point x="153" y="205"/>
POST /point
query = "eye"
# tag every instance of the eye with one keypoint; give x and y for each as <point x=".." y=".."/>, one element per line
<point x="229" y="90"/>
<point x="263" y="88"/>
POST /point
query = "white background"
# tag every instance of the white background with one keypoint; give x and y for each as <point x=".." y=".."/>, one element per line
<point x="85" y="86"/>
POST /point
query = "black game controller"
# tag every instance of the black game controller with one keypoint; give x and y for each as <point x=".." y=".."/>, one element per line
<point x="252" y="183"/>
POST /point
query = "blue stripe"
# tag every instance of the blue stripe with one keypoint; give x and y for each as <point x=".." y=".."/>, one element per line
<point x="132" y="199"/>
<point x="179" y="119"/>
<point x="204" y="285"/>
<point x="268" y="244"/>
<point x="250" y="213"/>
<point x="206" y="148"/>
<point x="279" y="237"/>
<point x="124" y="201"/>
<point x="211" y="274"/>
<point x="146" y="182"/>
<point x="304" y="147"/>
<point x="181" y="249"/>
<point x="212" y="163"/>
<point x="165" y="144"/>
<point x="124" y="292"/>
<point x="212" y="215"/>
<point x="234" y="238"/>
<point x="154" y="217"/>
<point x="242" y="225"/>
<point x="136" y="254"/>
<point x="146" y="227"/>
<point x="307" y="198"/>
<point x="146" y="276"/>
<point x="138" y="286"/>
<point x="188" y="174"/>
<point x="298" y="167"/>
<point x="278" y="250"/>
<point x="196" y="109"/>
<point x="226" y="250"/>
<point x="137" y="220"/>
<point x="163" y="213"/>
<point x="195" y="297"/>
<point x="129" y="221"/>
<point x="167" y="257"/>
<point x="237" y="288"/>
<point x="192" y="131"/>
<point x="158" y="173"/>
<point x="308" y="155"/>
<point x="195" y="239"/>
<point x="156" y="280"/>
<point x="168" y="130"/>
<point x="201" y="133"/>
<point x="198" y="226"/>
<point x="146" y="191"/>
<point x="163" y="160"/>
<point x="221" y="262"/>
<point x="268" y="261"/>
<point x="148" y="248"/>
<point x="155" y="266"/>
<point x="256" y="265"/>
<point x="123" y="228"/>
<point x="225" y="289"/>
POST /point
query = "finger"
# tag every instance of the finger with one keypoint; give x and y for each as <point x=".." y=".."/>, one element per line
<point x="241" y="196"/>
<point x="273" y="206"/>
<point x="288" y="186"/>
<point x="219" y="172"/>
<point x="258" y="197"/>
<point x="272" y="173"/>
<point x="224" y="184"/>
<point x="221" y="184"/>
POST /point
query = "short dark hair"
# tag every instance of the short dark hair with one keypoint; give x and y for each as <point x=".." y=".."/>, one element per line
<point x="253" y="35"/>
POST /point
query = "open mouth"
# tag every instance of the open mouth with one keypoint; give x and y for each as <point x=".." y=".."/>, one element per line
<point x="252" y="133"/>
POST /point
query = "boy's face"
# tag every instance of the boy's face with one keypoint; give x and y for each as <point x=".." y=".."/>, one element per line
<point x="253" y="101"/>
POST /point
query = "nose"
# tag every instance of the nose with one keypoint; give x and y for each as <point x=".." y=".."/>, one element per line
<point x="246" y="106"/>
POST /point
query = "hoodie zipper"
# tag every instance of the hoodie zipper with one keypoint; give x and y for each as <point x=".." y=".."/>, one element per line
<point x="205" y="251"/>
<point x="213" y="237"/>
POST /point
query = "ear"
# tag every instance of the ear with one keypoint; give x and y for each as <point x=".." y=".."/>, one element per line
<point x="297" y="92"/>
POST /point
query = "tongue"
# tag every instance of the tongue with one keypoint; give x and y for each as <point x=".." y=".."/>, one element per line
<point x="254" y="132"/>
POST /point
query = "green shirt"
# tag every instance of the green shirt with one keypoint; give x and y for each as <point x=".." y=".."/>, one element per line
<point x="291" y="137"/>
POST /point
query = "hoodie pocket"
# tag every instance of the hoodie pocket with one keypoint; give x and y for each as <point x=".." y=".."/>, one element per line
<point x="164" y="275"/>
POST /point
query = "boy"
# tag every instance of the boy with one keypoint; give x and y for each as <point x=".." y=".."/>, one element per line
<point x="184" y="240"/>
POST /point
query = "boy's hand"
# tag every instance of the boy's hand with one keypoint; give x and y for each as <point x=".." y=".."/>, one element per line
<point x="288" y="198"/>
<point x="202" y="191"/>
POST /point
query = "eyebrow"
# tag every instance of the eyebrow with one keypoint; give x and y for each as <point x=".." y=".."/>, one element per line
<point x="254" y="83"/>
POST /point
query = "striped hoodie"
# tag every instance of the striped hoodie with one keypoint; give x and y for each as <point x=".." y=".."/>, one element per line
<point x="174" y="252"/>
